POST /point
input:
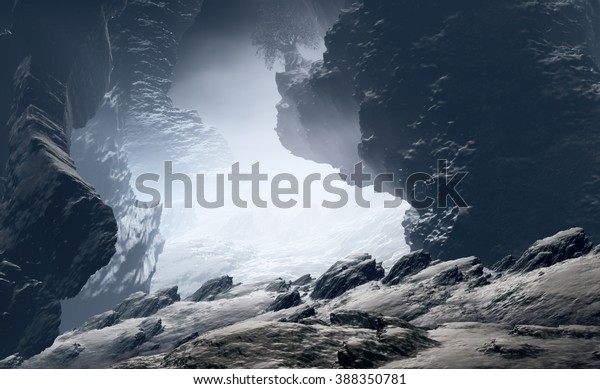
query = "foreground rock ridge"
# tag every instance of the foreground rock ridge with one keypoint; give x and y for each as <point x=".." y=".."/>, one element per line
<point x="539" y="312"/>
<point x="504" y="91"/>
<point x="55" y="231"/>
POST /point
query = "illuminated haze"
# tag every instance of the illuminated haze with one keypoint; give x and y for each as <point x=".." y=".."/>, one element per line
<point x="220" y="76"/>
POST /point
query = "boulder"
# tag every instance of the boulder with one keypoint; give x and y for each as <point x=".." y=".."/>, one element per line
<point x="301" y="315"/>
<point x="407" y="265"/>
<point x="285" y="301"/>
<point x="547" y="252"/>
<point x="449" y="277"/>
<point x="504" y="264"/>
<point x="278" y="286"/>
<point x="143" y="305"/>
<point x="212" y="288"/>
<point x="345" y="275"/>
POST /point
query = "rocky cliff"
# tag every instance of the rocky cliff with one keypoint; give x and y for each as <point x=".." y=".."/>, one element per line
<point x="505" y="91"/>
<point x="136" y="130"/>
<point x="55" y="231"/>
<point x="145" y="39"/>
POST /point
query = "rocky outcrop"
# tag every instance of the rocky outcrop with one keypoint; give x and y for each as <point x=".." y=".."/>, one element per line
<point x="317" y="117"/>
<point x="101" y="321"/>
<point x="285" y="301"/>
<point x="449" y="277"/>
<point x="212" y="289"/>
<point x="580" y="332"/>
<point x="261" y="345"/>
<point x="503" y="91"/>
<point x="137" y="129"/>
<point x="143" y="305"/>
<point x="55" y="231"/>
<point x="345" y="275"/>
<point x="137" y="305"/>
<point x="370" y="325"/>
<point x="406" y="266"/>
<point x="279" y="286"/>
<point x="363" y="319"/>
<point x="564" y="293"/>
<point x="568" y="244"/>
<point x="145" y="40"/>
<point x="300" y="315"/>
<point x="319" y="123"/>
<point x="98" y="152"/>
<point x="504" y="264"/>
<point x="129" y="344"/>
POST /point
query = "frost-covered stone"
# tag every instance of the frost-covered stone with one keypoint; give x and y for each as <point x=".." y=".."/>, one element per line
<point x="212" y="289"/>
<point x="345" y="275"/>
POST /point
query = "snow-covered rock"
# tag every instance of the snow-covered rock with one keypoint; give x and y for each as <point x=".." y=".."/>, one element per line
<point x="434" y="318"/>
<point x="567" y="244"/>
<point x="212" y="289"/>
<point x="407" y="265"/>
<point x="345" y="275"/>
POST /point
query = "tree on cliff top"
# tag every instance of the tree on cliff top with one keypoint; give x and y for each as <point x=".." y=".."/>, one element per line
<point x="282" y="26"/>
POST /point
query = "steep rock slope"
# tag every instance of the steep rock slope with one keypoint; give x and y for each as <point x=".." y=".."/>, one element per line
<point x="145" y="40"/>
<point x="98" y="152"/>
<point x="55" y="231"/>
<point x="136" y="130"/>
<point x="317" y="117"/>
<point x="506" y="91"/>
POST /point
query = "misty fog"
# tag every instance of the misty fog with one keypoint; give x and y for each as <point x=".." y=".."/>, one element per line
<point x="220" y="76"/>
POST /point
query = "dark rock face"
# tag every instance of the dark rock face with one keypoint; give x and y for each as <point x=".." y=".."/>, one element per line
<point x="511" y="352"/>
<point x="361" y="319"/>
<point x="406" y="266"/>
<point x="317" y="117"/>
<point x="504" y="91"/>
<point x="103" y="320"/>
<point x="504" y="264"/>
<point x="319" y="123"/>
<point x="188" y="338"/>
<point x="212" y="289"/>
<point x="143" y="305"/>
<point x="136" y="130"/>
<point x="353" y="356"/>
<point x="285" y="301"/>
<point x="148" y="329"/>
<point x="7" y="70"/>
<point x="98" y="152"/>
<point x="345" y="275"/>
<point x="53" y="226"/>
<point x="568" y="244"/>
<point x="449" y="277"/>
<point x="301" y="315"/>
<point x="145" y="40"/>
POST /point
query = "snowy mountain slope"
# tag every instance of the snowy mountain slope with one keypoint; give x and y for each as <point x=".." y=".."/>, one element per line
<point x="547" y="317"/>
